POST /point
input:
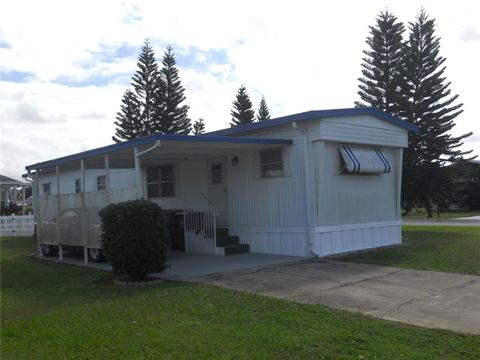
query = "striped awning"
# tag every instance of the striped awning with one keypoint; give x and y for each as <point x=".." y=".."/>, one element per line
<point x="370" y="160"/>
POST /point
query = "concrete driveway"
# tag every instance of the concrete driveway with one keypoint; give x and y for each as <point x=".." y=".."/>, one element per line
<point x="425" y="298"/>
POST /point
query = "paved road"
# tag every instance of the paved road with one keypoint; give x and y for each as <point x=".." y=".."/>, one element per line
<point x="473" y="221"/>
<point x="425" y="298"/>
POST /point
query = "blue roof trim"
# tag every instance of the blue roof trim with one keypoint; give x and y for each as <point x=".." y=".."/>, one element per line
<point x="151" y="139"/>
<point x="315" y="114"/>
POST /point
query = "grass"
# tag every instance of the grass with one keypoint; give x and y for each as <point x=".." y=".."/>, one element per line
<point x="422" y="214"/>
<point x="52" y="311"/>
<point x="439" y="248"/>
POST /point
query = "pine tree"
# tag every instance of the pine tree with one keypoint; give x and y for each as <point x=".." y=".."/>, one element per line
<point x="242" y="112"/>
<point x="428" y="104"/>
<point x="263" y="112"/>
<point x="174" y="117"/>
<point x="148" y="89"/>
<point x="128" y="121"/>
<point x="199" y="127"/>
<point x="382" y="66"/>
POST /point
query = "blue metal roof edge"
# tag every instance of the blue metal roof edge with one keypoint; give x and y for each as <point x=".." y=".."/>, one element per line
<point x="315" y="114"/>
<point x="150" y="139"/>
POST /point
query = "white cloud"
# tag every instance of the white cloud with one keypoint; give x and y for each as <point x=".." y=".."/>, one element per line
<point x="62" y="121"/>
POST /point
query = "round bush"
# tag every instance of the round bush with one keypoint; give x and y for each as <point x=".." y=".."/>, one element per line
<point x="134" y="238"/>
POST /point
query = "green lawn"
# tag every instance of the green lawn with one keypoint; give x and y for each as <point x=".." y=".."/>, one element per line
<point x="422" y="214"/>
<point x="439" y="248"/>
<point x="51" y="311"/>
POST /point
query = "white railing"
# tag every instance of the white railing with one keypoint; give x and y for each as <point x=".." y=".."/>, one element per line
<point x="200" y="216"/>
<point x="13" y="224"/>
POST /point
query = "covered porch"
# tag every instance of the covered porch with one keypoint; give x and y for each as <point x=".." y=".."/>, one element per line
<point x="186" y="175"/>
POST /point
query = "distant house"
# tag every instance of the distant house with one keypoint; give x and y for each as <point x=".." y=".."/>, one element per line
<point x="310" y="184"/>
<point x="13" y="195"/>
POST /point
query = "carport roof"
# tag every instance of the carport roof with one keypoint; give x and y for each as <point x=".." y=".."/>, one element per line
<point x="186" y="140"/>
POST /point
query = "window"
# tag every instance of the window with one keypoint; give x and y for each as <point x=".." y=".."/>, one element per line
<point x="161" y="181"/>
<point x="216" y="173"/>
<point x="153" y="190"/>
<point x="271" y="163"/>
<point x="78" y="186"/>
<point x="167" y="183"/>
<point x="364" y="160"/>
<point x="46" y="189"/>
<point x="101" y="183"/>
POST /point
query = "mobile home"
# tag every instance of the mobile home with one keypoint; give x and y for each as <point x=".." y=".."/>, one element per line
<point x="310" y="184"/>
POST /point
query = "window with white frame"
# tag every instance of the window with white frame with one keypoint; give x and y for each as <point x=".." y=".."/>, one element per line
<point x="216" y="174"/>
<point x="161" y="181"/>
<point x="46" y="188"/>
<point x="78" y="186"/>
<point x="101" y="183"/>
<point x="271" y="163"/>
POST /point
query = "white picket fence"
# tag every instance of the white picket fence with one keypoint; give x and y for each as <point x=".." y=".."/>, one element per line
<point x="13" y="225"/>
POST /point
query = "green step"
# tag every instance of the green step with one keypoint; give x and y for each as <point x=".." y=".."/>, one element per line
<point x="236" y="249"/>
<point x="227" y="240"/>
<point x="222" y="232"/>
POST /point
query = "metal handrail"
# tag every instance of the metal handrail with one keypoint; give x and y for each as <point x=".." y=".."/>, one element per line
<point x="201" y="221"/>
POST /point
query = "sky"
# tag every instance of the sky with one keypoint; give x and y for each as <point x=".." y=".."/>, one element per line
<point x="64" y="65"/>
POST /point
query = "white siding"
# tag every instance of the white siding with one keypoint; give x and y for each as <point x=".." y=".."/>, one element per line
<point x="352" y="198"/>
<point x="359" y="130"/>
<point x="269" y="214"/>
<point x="266" y="202"/>
<point x="279" y="241"/>
<point x="330" y="240"/>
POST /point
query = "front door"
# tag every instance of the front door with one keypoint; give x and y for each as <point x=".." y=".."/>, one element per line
<point x="217" y="188"/>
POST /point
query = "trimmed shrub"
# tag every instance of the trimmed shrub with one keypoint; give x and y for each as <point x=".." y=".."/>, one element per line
<point x="134" y="238"/>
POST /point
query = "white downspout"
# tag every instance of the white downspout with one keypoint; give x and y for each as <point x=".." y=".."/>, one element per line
<point x="138" y="173"/>
<point x="308" y="191"/>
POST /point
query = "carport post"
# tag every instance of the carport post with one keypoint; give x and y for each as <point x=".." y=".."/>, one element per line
<point x="138" y="174"/>
<point x="23" y="197"/>
<point x="36" y="210"/>
<point x="107" y="177"/>
<point x="84" y="217"/>
<point x="60" y="250"/>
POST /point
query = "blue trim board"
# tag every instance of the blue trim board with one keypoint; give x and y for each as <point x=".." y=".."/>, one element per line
<point x="316" y="114"/>
<point x="151" y="139"/>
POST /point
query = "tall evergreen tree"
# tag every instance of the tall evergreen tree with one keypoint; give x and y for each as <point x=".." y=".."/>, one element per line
<point x="427" y="103"/>
<point x="263" y="112"/>
<point x="128" y="121"/>
<point x="148" y="89"/>
<point x="382" y="66"/>
<point x="242" y="112"/>
<point x="174" y="116"/>
<point x="199" y="127"/>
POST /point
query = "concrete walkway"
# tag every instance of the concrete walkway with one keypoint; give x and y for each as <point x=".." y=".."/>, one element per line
<point x="425" y="298"/>
<point x="184" y="265"/>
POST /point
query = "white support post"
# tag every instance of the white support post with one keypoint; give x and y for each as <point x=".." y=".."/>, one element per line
<point x="138" y="175"/>
<point x="84" y="210"/>
<point x="23" y="198"/>
<point x="398" y="165"/>
<point x="107" y="177"/>
<point x="15" y="196"/>
<point x="36" y="211"/>
<point x="60" y="249"/>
